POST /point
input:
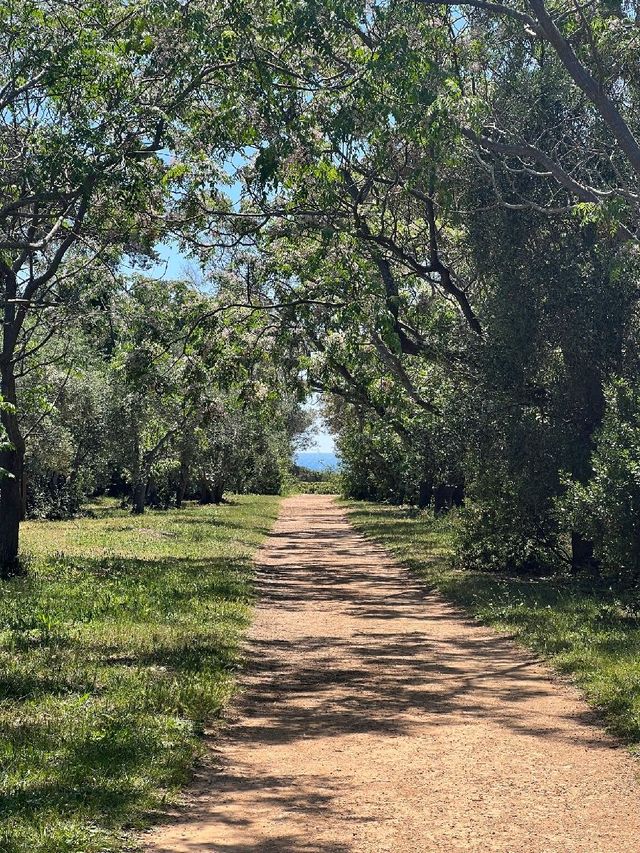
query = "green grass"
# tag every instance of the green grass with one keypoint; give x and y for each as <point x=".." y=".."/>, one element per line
<point x="589" y="632"/>
<point x="115" y="650"/>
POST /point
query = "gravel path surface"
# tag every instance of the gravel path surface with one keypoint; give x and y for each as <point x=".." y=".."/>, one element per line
<point x="374" y="717"/>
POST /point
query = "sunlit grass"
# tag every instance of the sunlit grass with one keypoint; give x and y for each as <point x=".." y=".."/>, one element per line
<point x="588" y="631"/>
<point x="115" y="650"/>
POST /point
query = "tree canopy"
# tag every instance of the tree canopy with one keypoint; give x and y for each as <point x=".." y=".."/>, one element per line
<point x="427" y="212"/>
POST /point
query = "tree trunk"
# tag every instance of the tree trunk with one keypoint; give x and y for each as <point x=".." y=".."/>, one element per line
<point x="183" y="480"/>
<point x="217" y="492"/>
<point x="458" y="495"/>
<point x="588" y="404"/>
<point x="12" y="460"/>
<point x="152" y="498"/>
<point x="139" y="498"/>
<point x="582" y="558"/>
<point x="443" y="499"/>
<point x="206" y="493"/>
<point x="425" y="493"/>
<point x="440" y="500"/>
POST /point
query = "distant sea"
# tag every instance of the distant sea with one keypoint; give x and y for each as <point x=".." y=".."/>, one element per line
<point x="318" y="461"/>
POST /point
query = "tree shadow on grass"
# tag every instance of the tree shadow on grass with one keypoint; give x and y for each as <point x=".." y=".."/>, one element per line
<point x="94" y="728"/>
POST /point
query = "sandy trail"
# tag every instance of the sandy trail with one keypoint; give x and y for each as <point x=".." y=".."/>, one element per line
<point x="375" y="718"/>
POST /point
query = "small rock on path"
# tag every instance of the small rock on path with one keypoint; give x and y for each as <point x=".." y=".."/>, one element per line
<point x="374" y="717"/>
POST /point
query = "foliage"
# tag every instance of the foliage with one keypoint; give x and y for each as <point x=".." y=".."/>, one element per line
<point x="607" y="507"/>
<point x="4" y="440"/>
<point x="332" y="485"/>
<point x="153" y="403"/>
<point x="98" y="100"/>
<point x="116" y="650"/>
<point x="308" y="481"/>
<point x="425" y="212"/>
<point x="455" y="301"/>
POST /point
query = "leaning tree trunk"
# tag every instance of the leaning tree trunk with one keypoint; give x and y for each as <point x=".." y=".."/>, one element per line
<point x="12" y="460"/>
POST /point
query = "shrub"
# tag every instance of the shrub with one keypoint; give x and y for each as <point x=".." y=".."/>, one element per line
<point x="607" y="509"/>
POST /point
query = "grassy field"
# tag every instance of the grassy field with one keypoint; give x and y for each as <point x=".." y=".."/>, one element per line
<point x="114" y="651"/>
<point x="588" y="632"/>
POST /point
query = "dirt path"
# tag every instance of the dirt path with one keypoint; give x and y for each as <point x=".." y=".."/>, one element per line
<point x="375" y="718"/>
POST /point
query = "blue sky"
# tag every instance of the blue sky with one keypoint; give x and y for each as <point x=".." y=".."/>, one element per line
<point x="172" y="264"/>
<point x="322" y="439"/>
<point x="324" y="443"/>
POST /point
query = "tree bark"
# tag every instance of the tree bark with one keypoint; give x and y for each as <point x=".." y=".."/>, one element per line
<point x="425" y="493"/>
<point x="458" y="495"/>
<point x="183" y="479"/>
<point x="206" y="493"/>
<point x="588" y="404"/>
<point x="151" y="496"/>
<point x="582" y="558"/>
<point x="12" y="460"/>
<point x="139" y="498"/>
<point x="440" y="506"/>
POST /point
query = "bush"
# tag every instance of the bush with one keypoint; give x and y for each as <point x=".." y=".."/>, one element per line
<point x="495" y="538"/>
<point x="607" y="509"/>
<point x="53" y="496"/>
<point x="331" y="485"/>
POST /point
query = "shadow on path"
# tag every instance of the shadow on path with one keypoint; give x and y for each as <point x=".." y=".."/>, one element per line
<point x="357" y="684"/>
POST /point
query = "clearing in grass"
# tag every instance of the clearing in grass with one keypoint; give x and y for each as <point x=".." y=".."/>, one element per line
<point x="115" y="650"/>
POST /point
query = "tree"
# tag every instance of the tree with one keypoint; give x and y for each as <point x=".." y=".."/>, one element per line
<point x="93" y="95"/>
<point x="382" y="181"/>
<point x="175" y="395"/>
<point x="588" y="49"/>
